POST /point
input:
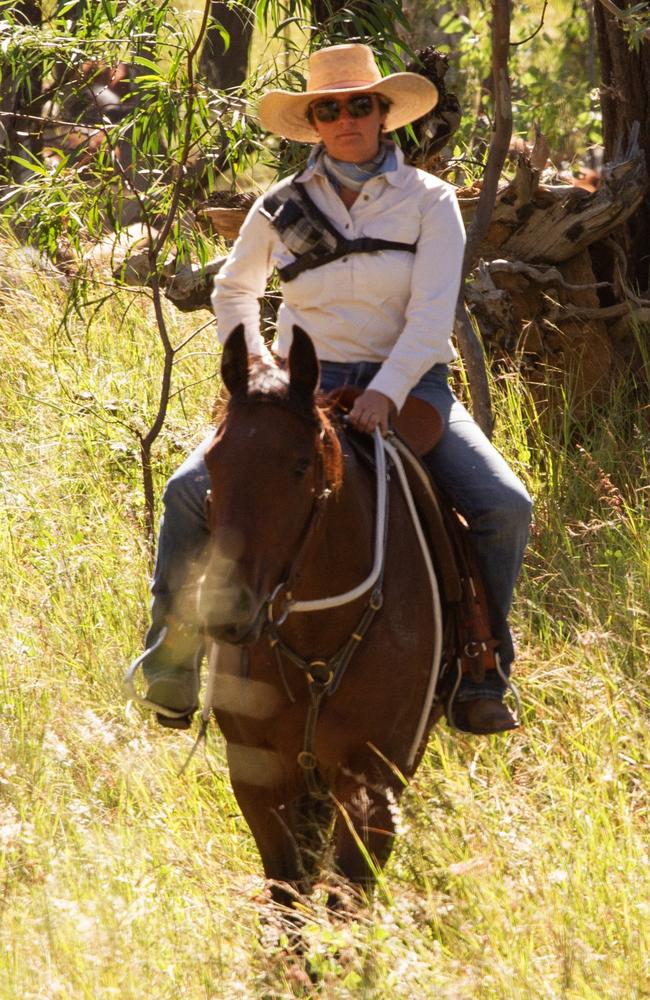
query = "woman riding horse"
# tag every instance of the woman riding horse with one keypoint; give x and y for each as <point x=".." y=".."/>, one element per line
<point x="369" y="253"/>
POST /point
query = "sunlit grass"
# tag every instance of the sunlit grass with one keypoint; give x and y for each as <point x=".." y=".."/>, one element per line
<point x="522" y="867"/>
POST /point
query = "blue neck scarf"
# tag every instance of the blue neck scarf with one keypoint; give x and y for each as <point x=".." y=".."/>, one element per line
<point x="354" y="175"/>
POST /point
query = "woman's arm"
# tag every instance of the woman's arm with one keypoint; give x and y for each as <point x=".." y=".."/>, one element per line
<point x="241" y="283"/>
<point x="429" y="315"/>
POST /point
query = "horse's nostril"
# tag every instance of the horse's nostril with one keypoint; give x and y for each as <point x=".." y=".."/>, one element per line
<point x="227" y="607"/>
<point x="235" y="634"/>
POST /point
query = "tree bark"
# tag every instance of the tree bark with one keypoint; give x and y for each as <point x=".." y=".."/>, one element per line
<point x="18" y="132"/>
<point x="224" y="68"/>
<point x="625" y="99"/>
<point x="551" y="223"/>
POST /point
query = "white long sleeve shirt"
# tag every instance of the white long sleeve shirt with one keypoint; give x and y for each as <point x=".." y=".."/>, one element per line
<point x="389" y="306"/>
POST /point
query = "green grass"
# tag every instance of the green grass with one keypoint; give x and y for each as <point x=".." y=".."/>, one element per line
<point x="522" y="868"/>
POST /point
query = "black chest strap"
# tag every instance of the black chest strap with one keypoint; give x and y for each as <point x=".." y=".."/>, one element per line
<point x="309" y="235"/>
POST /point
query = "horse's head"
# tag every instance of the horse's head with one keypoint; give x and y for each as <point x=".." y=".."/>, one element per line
<point x="272" y="460"/>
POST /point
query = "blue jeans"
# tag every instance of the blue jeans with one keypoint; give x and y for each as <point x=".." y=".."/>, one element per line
<point x="466" y="467"/>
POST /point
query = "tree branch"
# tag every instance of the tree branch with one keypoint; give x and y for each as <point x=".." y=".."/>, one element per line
<point x="622" y="15"/>
<point x="545" y="276"/>
<point x="639" y="313"/>
<point x="470" y="345"/>
<point x="155" y="248"/>
<point x="501" y="134"/>
<point x="187" y="141"/>
<point x="522" y="41"/>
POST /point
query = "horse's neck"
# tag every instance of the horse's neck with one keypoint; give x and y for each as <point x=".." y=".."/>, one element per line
<point x="344" y="549"/>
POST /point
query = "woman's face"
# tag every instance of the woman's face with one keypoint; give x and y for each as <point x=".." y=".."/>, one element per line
<point x="353" y="139"/>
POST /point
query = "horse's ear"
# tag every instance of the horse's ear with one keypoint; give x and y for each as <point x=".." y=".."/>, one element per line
<point x="304" y="370"/>
<point x="234" y="361"/>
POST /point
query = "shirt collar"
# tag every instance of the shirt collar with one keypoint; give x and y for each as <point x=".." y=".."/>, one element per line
<point x="396" y="177"/>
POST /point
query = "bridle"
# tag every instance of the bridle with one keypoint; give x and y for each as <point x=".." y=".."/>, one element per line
<point x="322" y="492"/>
<point x="325" y="675"/>
<point x="318" y="510"/>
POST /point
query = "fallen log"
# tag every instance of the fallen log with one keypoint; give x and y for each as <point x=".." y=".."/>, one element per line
<point x="551" y="223"/>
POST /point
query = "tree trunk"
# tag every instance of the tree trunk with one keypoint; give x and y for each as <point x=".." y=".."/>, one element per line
<point x="625" y="100"/>
<point x="19" y="133"/>
<point x="221" y="67"/>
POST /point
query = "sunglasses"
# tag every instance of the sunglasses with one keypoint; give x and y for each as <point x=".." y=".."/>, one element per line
<point x="329" y="110"/>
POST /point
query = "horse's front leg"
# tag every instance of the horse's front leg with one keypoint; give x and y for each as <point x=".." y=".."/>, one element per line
<point x="266" y="812"/>
<point x="367" y="800"/>
<point x="285" y="821"/>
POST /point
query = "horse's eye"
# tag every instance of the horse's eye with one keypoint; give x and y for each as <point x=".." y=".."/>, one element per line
<point x="301" y="467"/>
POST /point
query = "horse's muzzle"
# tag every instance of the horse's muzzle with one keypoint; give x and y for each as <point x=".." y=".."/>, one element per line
<point x="231" y="614"/>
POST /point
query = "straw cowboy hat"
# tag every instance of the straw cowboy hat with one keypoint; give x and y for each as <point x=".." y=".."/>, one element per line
<point x="346" y="69"/>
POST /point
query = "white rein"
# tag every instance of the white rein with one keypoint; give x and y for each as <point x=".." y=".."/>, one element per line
<point x="382" y="446"/>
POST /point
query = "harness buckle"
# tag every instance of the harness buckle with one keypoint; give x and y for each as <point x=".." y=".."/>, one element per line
<point x="288" y="604"/>
<point x="321" y="667"/>
<point x="307" y="760"/>
<point x="376" y="600"/>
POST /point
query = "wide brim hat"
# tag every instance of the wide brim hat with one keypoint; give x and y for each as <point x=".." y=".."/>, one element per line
<point x="345" y="69"/>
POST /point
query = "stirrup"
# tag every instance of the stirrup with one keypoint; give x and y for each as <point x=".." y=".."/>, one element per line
<point x="510" y="686"/>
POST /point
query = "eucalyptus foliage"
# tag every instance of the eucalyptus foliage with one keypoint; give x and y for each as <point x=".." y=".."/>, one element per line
<point x="77" y="196"/>
<point x="553" y="70"/>
<point x="181" y="136"/>
<point x="197" y="138"/>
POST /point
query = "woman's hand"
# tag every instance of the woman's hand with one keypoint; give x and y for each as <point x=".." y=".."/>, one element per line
<point x="372" y="409"/>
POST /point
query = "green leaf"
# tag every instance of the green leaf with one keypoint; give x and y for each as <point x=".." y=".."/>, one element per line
<point x="262" y="13"/>
<point x="34" y="165"/>
<point x="225" y="35"/>
<point x="150" y="64"/>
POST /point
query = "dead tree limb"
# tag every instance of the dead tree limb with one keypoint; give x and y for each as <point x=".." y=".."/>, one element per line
<point x="547" y="276"/>
<point x="549" y="224"/>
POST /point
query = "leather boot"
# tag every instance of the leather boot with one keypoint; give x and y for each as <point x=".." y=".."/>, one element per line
<point x="177" y="691"/>
<point x="481" y="716"/>
<point x="171" y="669"/>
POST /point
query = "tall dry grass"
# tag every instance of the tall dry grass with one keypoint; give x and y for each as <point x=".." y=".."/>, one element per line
<point x="522" y="866"/>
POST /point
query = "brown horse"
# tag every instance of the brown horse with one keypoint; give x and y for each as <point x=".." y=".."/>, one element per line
<point x="320" y="709"/>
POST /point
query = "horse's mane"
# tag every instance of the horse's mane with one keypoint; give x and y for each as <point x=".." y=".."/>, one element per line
<point x="271" y="384"/>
